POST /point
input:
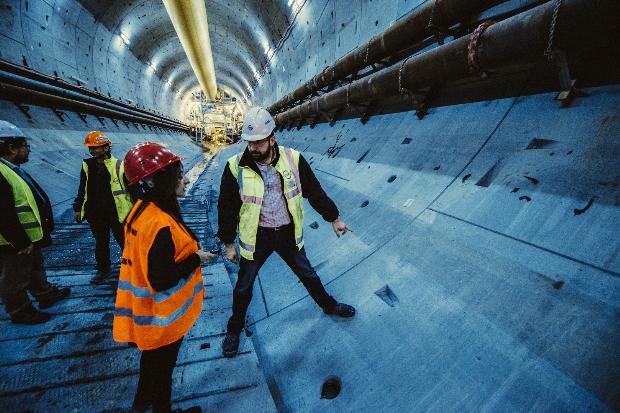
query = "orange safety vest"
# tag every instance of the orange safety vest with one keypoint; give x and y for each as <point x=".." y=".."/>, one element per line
<point x="143" y="316"/>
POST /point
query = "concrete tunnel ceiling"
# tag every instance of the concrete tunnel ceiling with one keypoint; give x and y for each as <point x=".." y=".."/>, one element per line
<point x="243" y="33"/>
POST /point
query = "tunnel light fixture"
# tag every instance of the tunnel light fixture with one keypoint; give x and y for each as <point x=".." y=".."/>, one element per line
<point x="124" y="39"/>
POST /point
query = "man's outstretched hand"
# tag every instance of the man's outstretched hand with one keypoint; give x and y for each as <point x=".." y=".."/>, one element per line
<point x="230" y="252"/>
<point x="340" y="228"/>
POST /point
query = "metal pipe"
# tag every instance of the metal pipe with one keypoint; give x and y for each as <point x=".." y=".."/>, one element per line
<point x="22" y="72"/>
<point x="189" y="18"/>
<point x="36" y="97"/>
<point x="402" y="35"/>
<point x="12" y="79"/>
<point x="521" y="39"/>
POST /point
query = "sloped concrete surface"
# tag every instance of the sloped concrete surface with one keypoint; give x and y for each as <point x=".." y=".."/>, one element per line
<point x="504" y="303"/>
<point x="492" y="224"/>
<point x="71" y="363"/>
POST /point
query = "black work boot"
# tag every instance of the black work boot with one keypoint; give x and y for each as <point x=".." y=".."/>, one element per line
<point x="341" y="310"/>
<point x="100" y="277"/>
<point x="230" y="345"/>
<point x="31" y="316"/>
<point x="52" y="298"/>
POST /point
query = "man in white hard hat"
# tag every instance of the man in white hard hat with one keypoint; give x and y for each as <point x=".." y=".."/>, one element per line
<point x="261" y="194"/>
<point x="25" y="228"/>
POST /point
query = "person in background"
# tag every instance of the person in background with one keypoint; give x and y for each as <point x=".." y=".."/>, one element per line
<point x="25" y="227"/>
<point x="102" y="199"/>
<point x="160" y="290"/>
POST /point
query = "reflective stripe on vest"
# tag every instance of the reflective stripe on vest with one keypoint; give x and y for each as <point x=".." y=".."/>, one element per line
<point x="25" y="205"/>
<point x="150" y="318"/>
<point x="145" y="292"/>
<point x="122" y="200"/>
<point x="158" y="321"/>
<point x="120" y="171"/>
<point x="251" y="192"/>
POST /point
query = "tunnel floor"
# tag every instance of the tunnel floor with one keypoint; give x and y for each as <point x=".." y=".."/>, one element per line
<point x="71" y="363"/>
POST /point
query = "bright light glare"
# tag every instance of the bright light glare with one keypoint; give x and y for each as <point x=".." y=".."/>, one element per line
<point x="124" y="39"/>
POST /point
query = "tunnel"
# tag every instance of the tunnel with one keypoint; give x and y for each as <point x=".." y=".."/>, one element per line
<point x="473" y="148"/>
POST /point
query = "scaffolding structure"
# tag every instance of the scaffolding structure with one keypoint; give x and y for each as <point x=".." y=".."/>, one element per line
<point x="215" y="121"/>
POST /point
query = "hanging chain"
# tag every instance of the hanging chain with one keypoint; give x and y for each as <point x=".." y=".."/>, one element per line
<point x="554" y="22"/>
<point x="472" y="48"/>
<point x="348" y="87"/>
<point x="431" y="21"/>
<point x="367" y="51"/>
<point x="401" y="90"/>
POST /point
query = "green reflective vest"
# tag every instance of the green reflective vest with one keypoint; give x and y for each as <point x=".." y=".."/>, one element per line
<point x="122" y="200"/>
<point x="25" y="205"/>
<point x="252" y="189"/>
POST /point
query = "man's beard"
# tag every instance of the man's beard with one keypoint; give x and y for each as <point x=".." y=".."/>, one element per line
<point x="260" y="157"/>
<point x="22" y="160"/>
<point x="100" y="158"/>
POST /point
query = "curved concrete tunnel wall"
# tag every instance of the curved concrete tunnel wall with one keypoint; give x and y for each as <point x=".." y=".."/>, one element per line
<point x="504" y="285"/>
<point x="57" y="148"/>
<point x="502" y="297"/>
<point x="63" y="38"/>
<point x="493" y="225"/>
<point x="497" y="235"/>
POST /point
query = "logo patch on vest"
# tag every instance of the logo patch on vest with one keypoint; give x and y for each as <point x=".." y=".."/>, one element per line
<point x="287" y="174"/>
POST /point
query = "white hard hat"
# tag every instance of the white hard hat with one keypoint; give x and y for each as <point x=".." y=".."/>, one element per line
<point x="257" y="124"/>
<point x="8" y="130"/>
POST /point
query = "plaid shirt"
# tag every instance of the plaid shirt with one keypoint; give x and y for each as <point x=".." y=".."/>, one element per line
<point x="274" y="211"/>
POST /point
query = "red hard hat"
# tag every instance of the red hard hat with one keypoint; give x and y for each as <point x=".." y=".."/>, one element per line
<point x="145" y="159"/>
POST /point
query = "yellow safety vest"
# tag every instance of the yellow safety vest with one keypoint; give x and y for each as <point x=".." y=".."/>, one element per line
<point x="252" y="189"/>
<point x="122" y="200"/>
<point x="25" y="205"/>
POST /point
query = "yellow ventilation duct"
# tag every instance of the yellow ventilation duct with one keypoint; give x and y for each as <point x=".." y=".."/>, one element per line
<point x="189" y="18"/>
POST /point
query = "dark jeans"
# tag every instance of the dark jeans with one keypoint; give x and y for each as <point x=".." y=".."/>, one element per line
<point x="101" y="232"/>
<point x="20" y="274"/>
<point x="155" y="382"/>
<point x="282" y="242"/>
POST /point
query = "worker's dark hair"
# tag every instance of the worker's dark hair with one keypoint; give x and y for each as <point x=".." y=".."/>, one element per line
<point x="6" y="143"/>
<point x="163" y="194"/>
